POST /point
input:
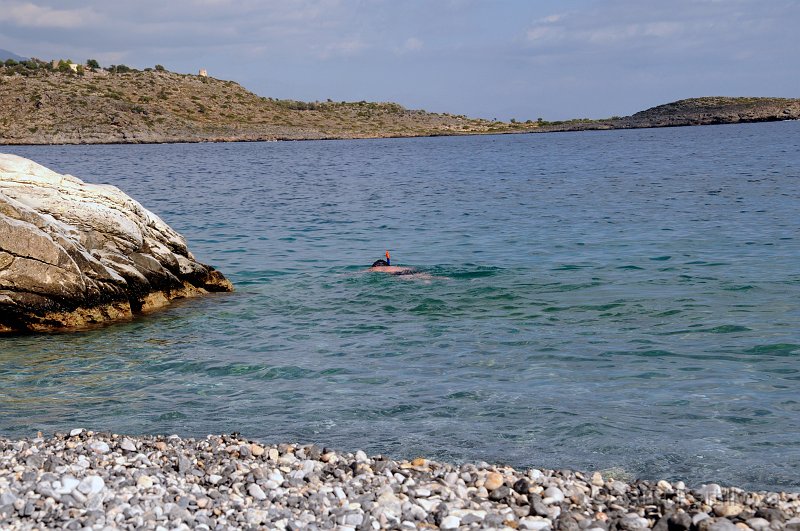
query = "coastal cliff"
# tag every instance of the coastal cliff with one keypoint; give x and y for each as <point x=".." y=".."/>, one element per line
<point x="74" y="254"/>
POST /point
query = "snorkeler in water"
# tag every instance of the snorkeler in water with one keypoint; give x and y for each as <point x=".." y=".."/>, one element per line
<point x="382" y="262"/>
<point x="385" y="266"/>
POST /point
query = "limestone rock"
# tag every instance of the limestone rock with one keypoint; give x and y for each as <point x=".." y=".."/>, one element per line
<point x="73" y="254"/>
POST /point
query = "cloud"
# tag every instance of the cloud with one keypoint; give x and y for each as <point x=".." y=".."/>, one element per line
<point x="343" y="48"/>
<point x="412" y="44"/>
<point x="28" y="14"/>
<point x="545" y="33"/>
<point x="624" y="28"/>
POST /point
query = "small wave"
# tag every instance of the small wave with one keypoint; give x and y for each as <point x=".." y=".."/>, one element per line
<point x="775" y="349"/>
<point x="727" y="329"/>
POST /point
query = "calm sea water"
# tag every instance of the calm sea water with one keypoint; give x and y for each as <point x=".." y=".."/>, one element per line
<point x="604" y="299"/>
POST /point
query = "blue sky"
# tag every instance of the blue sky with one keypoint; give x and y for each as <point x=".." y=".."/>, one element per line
<point x="520" y="59"/>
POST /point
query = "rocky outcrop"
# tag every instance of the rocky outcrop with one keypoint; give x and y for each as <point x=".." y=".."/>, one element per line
<point x="693" y="111"/>
<point x="73" y="254"/>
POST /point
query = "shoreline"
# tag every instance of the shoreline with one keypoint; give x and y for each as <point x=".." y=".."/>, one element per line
<point x="579" y="128"/>
<point x="87" y="479"/>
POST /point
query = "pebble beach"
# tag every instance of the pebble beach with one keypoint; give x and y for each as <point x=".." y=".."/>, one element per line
<point x="87" y="480"/>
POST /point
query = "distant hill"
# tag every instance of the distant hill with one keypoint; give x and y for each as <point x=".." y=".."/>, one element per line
<point x="5" y="55"/>
<point x="72" y="104"/>
<point x="694" y="111"/>
<point x="43" y="106"/>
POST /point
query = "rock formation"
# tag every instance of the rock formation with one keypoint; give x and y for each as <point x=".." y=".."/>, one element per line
<point x="713" y="110"/>
<point x="74" y="254"/>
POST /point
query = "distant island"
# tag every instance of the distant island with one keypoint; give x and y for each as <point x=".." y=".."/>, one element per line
<point x="60" y="102"/>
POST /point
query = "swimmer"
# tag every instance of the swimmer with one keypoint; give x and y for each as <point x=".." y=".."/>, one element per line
<point x="385" y="266"/>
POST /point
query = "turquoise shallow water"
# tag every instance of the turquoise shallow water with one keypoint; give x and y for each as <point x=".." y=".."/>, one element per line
<point x="605" y="299"/>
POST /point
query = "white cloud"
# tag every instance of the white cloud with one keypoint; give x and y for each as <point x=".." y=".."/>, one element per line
<point x="551" y="19"/>
<point x="343" y="48"/>
<point x="28" y="14"/>
<point x="413" y="44"/>
<point x="544" y="33"/>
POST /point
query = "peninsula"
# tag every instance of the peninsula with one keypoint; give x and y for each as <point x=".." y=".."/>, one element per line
<point x="65" y="103"/>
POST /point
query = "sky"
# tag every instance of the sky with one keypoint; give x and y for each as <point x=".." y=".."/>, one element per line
<point x="522" y="59"/>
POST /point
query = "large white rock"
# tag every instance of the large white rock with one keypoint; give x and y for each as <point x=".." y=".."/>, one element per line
<point x="73" y="253"/>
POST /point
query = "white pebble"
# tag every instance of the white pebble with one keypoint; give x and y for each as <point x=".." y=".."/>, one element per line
<point x="91" y="485"/>
<point x="450" y="522"/>
<point x="68" y="484"/>
<point x="100" y="447"/>
<point x="256" y="492"/>
<point x="553" y="495"/>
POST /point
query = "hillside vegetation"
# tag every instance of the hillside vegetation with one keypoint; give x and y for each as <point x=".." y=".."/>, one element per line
<point x="64" y="103"/>
<point x="46" y="107"/>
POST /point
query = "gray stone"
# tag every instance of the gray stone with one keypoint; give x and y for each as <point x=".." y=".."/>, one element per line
<point x="7" y="497"/>
<point x="354" y="519"/>
<point x="256" y="492"/>
<point x="450" y="522"/>
<point x="91" y="485"/>
<point x="723" y="524"/>
<point x="757" y="524"/>
<point x="100" y="447"/>
<point x="553" y="495"/>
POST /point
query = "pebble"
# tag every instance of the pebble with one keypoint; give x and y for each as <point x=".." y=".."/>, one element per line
<point x="256" y="449"/>
<point x="723" y="524"/>
<point x="100" y="447"/>
<point x="493" y="481"/>
<point x="728" y="509"/>
<point x="91" y="485"/>
<point x="758" y="524"/>
<point x="75" y="432"/>
<point x="553" y="495"/>
<point x="256" y="492"/>
<point x="100" y="481"/>
<point x="450" y="522"/>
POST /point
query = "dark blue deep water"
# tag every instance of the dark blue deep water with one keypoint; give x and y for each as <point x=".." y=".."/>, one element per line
<point x="619" y="299"/>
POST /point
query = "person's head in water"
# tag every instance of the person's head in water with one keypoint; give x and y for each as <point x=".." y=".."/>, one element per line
<point x="383" y="263"/>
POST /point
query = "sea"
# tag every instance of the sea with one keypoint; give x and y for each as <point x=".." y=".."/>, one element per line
<point x="622" y="301"/>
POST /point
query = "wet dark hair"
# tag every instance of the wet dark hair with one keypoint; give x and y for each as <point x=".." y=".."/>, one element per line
<point x="380" y="263"/>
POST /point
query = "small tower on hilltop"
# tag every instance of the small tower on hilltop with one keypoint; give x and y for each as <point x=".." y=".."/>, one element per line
<point x="203" y="72"/>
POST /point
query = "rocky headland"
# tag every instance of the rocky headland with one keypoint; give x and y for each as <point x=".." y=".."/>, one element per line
<point x="42" y="105"/>
<point x="74" y="254"/>
<point x="85" y="480"/>
<point x="693" y="111"/>
<point x="100" y="107"/>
